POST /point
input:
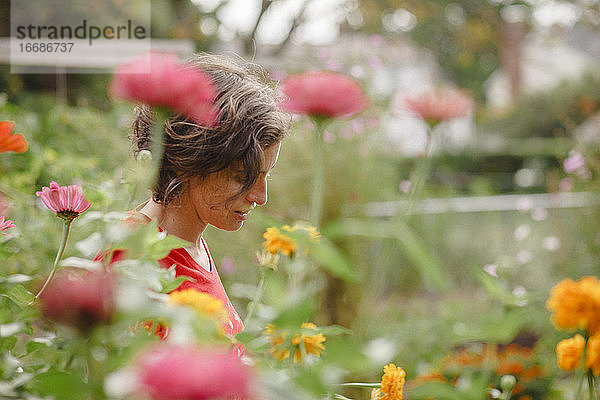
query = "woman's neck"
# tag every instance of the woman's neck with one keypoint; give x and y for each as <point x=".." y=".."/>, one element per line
<point x="176" y="220"/>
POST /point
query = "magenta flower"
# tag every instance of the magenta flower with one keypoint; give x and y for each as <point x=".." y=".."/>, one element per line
<point x="171" y="372"/>
<point x="323" y="94"/>
<point x="160" y="80"/>
<point x="67" y="202"/>
<point x="442" y="105"/>
<point x="79" y="299"/>
<point x="5" y="224"/>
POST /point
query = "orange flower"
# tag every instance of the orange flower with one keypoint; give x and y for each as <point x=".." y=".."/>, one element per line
<point x="11" y="142"/>
<point x="576" y="304"/>
<point x="592" y="355"/>
<point x="569" y="352"/>
<point x="276" y="241"/>
<point x="392" y="383"/>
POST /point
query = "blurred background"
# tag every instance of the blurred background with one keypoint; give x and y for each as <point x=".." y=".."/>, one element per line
<point x="499" y="221"/>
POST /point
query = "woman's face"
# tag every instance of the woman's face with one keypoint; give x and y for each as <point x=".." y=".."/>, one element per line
<point x="209" y="198"/>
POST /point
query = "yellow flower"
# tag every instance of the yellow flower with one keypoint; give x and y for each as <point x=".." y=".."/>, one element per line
<point x="313" y="344"/>
<point x="392" y="384"/>
<point x="312" y="231"/>
<point x="576" y="304"/>
<point x="203" y="303"/>
<point x="592" y="354"/>
<point x="569" y="352"/>
<point x="276" y="241"/>
<point x="301" y="344"/>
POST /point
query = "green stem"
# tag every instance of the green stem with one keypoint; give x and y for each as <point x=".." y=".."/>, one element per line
<point x="591" y="387"/>
<point x="317" y="197"/>
<point x="59" y="254"/>
<point x="582" y="376"/>
<point x="257" y="295"/>
<point x="361" y="384"/>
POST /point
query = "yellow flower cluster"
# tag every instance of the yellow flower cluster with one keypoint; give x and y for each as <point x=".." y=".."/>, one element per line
<point x="205" y="304"/>
<point x="392" y="384"/>
<point x="576" y="305"/>
<point x="276" y="240"/>
<point x="301" y="343"/>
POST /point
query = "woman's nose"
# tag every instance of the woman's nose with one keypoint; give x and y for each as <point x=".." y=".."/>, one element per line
<point x="258" y="192"/>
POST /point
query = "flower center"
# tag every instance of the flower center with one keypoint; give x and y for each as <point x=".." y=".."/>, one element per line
<point x="67" y="215"/>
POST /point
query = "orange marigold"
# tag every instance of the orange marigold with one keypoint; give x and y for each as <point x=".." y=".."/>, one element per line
<point x="576" y="304"/>
<point x="569" y="352"/>
<point x="392" y="383"/>
<point x="592" y="354"/>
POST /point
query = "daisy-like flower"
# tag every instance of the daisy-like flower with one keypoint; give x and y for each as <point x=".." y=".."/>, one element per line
<point x="5" y="224"/>
<point x="392" y="384"/>
<point x="203" y="303"/>
<point x="67" y="202"/>
<point x="323" y="94"/>
<point x="160" y="80"/>
<point x="276" y="241"/>
<point x="172" y="372"/>
<point x="9" y="141"/>
<point x="441" y="105"/>
<point x="301" y="344"/>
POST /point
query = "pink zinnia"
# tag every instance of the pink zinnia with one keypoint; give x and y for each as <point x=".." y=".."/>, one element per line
<point x="442" y="105"/>
<point x="160" y="80"/>
<point x="79" y="299"/>
<point x="171" y="372"/>
<point x="324" y="94"/>
<point x="5" y="224"/>
<point x="67" y="202"/>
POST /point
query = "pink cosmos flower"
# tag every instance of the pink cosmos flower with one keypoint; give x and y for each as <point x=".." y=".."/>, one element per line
<point x="5" y="224"/>
<point x="324" y="94"/>
<point x="79" y="299"/>
<point x="172" y="372"/>
<point x="67" y="202"/>
<point x="160" y="80"/>
<point x="441" y="105"/>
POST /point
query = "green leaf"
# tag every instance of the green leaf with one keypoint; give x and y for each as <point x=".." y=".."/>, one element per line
<point x="169" y="285"/>
<point x="7" y="344"/>
<point x="332" y="260"/>
<point x="60" y="385"/>
<point x="295" y="314"/>
<point x="20" y="296"/>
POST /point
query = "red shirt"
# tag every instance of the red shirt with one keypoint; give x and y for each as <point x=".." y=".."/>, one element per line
<point x="204" y="281"/>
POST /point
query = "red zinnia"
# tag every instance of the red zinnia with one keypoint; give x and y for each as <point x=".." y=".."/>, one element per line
<point x="80" y="300"/>
<point x="67" y="202"/>
<point x="5" y="224"/>
<point x="160" y="80"/>
<point x="11" y="142"/>
<point x="171" y="372"/>
<point x="442" y="105"/>
<point x="325" y="94"/>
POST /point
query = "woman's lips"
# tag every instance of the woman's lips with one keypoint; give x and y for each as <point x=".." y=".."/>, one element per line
<point x="243" y="215"/>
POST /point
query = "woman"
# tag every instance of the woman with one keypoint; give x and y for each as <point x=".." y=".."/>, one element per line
<point x="214" y="176"/>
